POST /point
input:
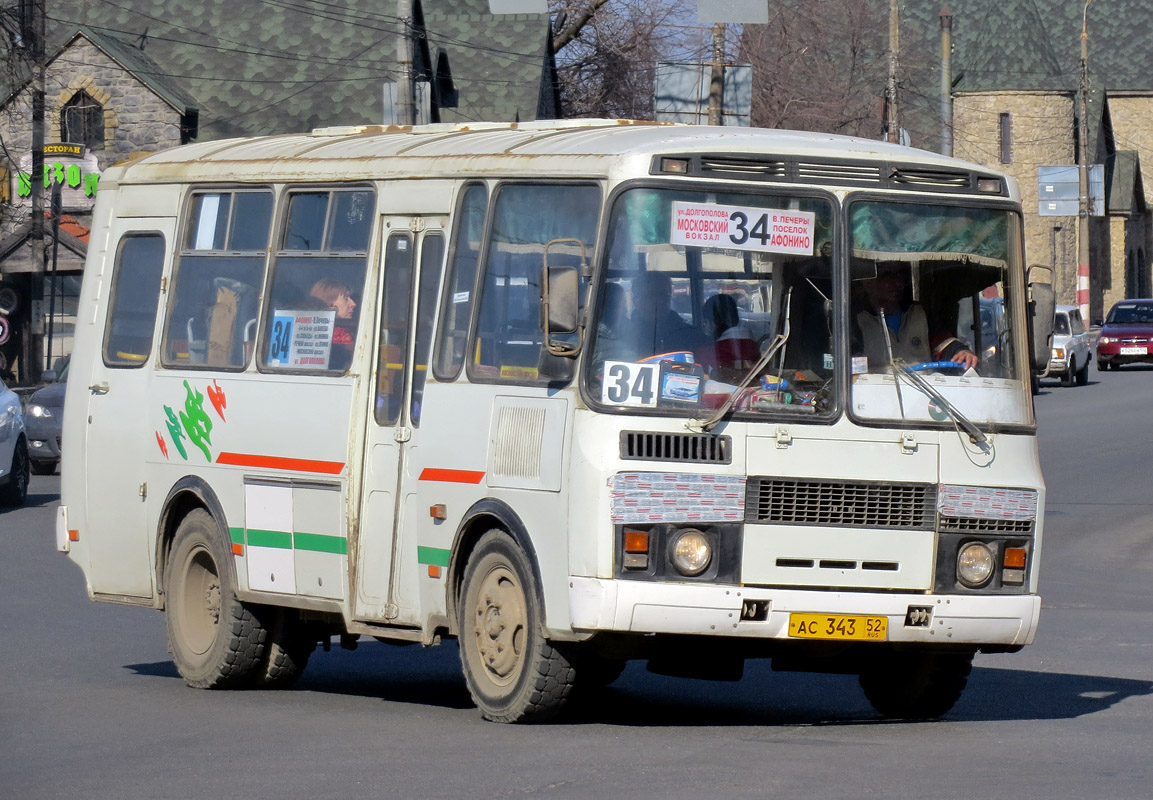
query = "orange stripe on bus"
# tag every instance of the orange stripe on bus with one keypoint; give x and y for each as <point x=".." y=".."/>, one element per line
<point x="451" y="475"/>
<point x="277" y="462"/>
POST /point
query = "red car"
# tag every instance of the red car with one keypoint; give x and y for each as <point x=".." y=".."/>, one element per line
<point x="1127" y="335"/>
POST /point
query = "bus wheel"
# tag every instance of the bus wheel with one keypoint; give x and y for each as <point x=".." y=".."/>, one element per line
<point x="286" y="651"/>
<point x="216" y="641"/>
<point x="916" y="685"/>
<point x="513" y="673"/>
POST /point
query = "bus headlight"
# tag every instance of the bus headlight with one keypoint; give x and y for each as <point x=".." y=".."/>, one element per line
<point x="691" y="552"/>
<point x="975" y="564"/>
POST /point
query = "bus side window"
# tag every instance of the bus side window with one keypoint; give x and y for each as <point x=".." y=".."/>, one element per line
<point x="311" y="316"/>
<point x="431" y="254"/>
<point x="456" y="305"/>
<point x="215" y="299"/>
<point x="135" y="295"/>
<point x="528" y="219"/>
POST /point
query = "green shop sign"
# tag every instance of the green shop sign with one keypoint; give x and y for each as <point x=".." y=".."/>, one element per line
<point x="70" y="175"/>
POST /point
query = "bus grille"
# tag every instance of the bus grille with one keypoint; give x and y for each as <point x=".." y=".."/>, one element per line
<point x="686" y="448"/>
<point x="785" y="501"/>
<point x="1023" y="527"/>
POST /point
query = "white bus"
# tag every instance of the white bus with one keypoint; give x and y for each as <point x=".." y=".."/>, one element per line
<point x="573" y="393"/>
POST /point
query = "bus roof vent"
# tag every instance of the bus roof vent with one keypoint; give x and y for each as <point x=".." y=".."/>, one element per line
<point x="931" y="178"/>
<point x="838" y="172"/>
<point x="765" y="168"/>
<point x="686" y="448"/>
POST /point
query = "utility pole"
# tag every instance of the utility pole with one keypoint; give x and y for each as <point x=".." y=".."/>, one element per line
<point x="405" y="106"/>
<point x="892" y="121"/>
<point x="717" y="85"/>
<point x="33" y="345"/>
<point x="1083" y="171"/>
<point x="946" y="81"/>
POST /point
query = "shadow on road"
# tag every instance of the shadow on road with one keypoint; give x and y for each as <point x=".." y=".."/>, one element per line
<point x="432" y="677"/>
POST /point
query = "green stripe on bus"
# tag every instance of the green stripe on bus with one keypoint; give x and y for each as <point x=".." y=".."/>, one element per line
<point x="237" y="535"/>
<point x="320" y="543"/>
<point x="436" y="556"/>
<point x="278" y="539"/>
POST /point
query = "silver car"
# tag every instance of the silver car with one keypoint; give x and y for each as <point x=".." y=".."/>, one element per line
<point x="1072" y="352"/>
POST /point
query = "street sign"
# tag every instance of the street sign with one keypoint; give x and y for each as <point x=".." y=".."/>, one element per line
<point x="1059" y="191"/>
<point x="752" y="12"/>
<point x="518" y="6"/>
<point x="681" y="94"/>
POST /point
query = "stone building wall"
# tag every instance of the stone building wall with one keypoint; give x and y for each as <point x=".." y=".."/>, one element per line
<point x="1132" y="118"/>
<point x="1042" y="135"/>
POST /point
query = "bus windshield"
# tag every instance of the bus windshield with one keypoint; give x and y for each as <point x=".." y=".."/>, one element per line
<point x="699" y="287"/>
<point x="932" y="297"/>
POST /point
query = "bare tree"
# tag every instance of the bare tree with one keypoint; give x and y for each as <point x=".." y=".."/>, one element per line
<point x="818" y="66"/>
<point x="607" y="51"/>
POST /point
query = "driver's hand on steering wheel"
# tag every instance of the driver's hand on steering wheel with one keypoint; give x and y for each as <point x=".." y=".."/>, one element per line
<point x="969" y="360"/>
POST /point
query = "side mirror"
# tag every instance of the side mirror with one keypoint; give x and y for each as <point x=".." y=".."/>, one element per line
<point x="560" y="303"/>
<point x="1042" y="308"/>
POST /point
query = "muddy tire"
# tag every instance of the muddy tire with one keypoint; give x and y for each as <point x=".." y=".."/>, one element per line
<point x="287" y="648"/>
<point x="216" y="641"/>
<point x="513" y="672"/>
<point x="916" y="685"/>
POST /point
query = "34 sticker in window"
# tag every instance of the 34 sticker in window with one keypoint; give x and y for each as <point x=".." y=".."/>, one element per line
<point x="630" y="384"/>
<point x="769" y="230"/>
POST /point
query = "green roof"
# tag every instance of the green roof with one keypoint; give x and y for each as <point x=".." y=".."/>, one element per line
<point x="275" y="66"/>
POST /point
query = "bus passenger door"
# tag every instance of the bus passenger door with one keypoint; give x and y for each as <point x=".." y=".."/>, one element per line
<point x="413" y="250"/>
<point x="119" y="442"/>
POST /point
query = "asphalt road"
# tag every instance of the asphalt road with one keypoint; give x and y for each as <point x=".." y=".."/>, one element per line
<point x="91" y="706"/>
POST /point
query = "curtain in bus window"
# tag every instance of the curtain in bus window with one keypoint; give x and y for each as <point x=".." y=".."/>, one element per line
<point x="905" y="232"/>
<point x="528" y="222"/>
<point x="135" y="294"/>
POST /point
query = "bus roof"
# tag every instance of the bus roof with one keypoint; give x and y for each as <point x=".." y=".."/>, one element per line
<point x="558" y="148"/>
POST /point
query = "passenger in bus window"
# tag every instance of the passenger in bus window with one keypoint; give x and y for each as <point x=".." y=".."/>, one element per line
<point x="887" y="296"/>
<point x="734" y="349"/>
<point x="337" y="296"/>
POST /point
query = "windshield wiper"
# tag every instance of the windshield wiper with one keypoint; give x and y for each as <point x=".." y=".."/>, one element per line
<point x="762" y="362"/>
<point x="976" y="435"/>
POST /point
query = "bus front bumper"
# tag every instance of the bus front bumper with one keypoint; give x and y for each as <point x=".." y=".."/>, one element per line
<point x="644" y="607"/>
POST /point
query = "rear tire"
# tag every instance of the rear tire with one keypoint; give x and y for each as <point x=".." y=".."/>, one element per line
<point x="216" y="641"/>
<point x="289" y="644"/>
<point x="15" y="489"/>
<point x="513" y="672"/>
<point x="1083" y="375"/>
<point x="916" y="685"/>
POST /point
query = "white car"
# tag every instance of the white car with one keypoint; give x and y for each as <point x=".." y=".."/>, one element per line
<point x="14" y="464"/>
<point x="1072" y="352"/>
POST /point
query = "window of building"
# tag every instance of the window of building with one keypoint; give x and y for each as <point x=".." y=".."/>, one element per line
<point x="82" y="121"/>
<point x="1005" y="138"/>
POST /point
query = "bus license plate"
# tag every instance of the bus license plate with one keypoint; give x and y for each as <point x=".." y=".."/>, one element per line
<point x="838" y="626"/>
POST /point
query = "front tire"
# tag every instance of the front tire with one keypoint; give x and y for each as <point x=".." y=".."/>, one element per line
<point x="1083" y="375"/>
<point x="1070" y="373"/>
<point x="15" y="490"/>
<point x="916" y="685"/>
<point x="44" y="467"/>
<point x="513" y="672"/>
<point x="216" y="641"/>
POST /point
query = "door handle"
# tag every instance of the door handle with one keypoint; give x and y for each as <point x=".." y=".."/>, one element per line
<point x="99" y="388"/>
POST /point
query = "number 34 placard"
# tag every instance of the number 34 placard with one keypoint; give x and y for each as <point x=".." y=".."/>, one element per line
<point x="630" y="384"/>
<point x="770" y="230"/>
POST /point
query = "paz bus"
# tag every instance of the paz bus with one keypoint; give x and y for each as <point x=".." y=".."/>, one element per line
<point x="573" y="393"/>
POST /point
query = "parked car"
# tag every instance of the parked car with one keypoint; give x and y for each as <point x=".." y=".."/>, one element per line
<point x="43" y="417"/>
<point x="1127" y="335"/>
<point x="14" y="471"/>
<point x="1072" y="352"/>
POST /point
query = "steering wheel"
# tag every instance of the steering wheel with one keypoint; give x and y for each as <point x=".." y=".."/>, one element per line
<point x="932" y="365"/>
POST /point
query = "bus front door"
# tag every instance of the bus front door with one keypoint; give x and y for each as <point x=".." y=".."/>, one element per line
<point x="119" y="442"/>
<point x="413" y="252"/>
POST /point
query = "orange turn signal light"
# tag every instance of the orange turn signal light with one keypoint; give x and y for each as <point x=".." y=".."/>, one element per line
<point x="636" y="541"/>
<point x="438" y="511"/>
<point x="73" y="535"/>
<point x="1015" y="557"/>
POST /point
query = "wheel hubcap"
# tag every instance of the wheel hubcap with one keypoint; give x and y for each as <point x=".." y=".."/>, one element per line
<point x="201" y="602"/>
<point x="500" y="628"/>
